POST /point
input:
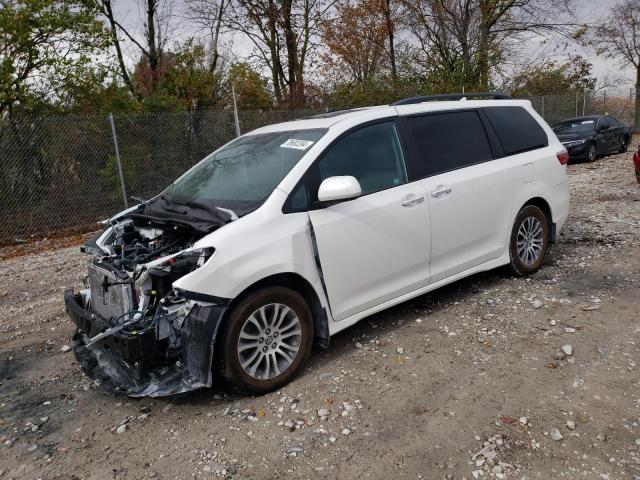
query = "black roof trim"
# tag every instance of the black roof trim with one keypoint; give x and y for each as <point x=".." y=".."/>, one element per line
<point x="452" y="96"/>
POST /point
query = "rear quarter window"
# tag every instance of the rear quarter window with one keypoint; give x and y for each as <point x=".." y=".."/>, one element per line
<point x="517" y="130"/>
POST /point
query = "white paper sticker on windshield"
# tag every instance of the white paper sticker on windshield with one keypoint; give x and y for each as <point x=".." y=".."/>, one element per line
<point x="587" y="121"/>
<point x="297" y="144"/>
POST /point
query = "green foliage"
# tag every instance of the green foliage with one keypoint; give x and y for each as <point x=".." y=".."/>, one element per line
<point x="48" y="52"/>
<point x="184" y="80"/>
<point x="382" y="90"/>
<point x="109" y="174"/>
<point x="554" y="78"/>
<point x="250" y="88"/>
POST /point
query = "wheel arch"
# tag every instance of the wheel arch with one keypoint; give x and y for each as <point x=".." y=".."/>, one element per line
<point x="543" y="205"/>
<point x="302" y="286"/>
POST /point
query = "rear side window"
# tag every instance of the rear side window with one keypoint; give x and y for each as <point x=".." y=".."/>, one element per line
<point x="447" y="141"/>
<point x="517" y="129"/>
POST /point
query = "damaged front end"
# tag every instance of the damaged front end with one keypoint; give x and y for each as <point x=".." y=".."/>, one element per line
<point x="136" y="334"/>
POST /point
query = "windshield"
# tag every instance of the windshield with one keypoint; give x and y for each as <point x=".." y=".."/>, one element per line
<point x="577" y="126"/>
<point x="242" y="174"/>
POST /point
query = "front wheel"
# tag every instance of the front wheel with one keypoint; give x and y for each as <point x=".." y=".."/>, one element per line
<point x="624" y="145"/>
<point x="267" y="340"/>
<point x="529" y="240"/>
<point x="592" y="153"/>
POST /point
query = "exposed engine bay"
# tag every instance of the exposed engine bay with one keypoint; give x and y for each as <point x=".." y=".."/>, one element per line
<point x="136" y="334"/>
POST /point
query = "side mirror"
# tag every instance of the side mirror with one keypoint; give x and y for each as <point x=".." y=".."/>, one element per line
<point x="603" y="128"/>
<point x="339" y="188"/>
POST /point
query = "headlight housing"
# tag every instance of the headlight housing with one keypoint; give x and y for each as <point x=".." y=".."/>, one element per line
<point x="575" y="143"/>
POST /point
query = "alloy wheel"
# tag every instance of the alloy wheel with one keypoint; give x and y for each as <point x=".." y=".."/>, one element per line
<point x="530" y="240"/>
<point x="269" y="341"/>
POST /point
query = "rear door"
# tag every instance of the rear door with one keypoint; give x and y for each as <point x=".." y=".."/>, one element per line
<point x="374" y="248"/>
<point x="470" y="194"/>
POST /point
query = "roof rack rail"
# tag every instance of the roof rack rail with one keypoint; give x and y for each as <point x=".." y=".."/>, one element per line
<point x="452" y="96"/>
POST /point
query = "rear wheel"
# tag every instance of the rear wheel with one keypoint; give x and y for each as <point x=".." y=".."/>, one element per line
<point x="267" y="340"/>
<point x="592" y="153"/>
<point x="529" y="240"/>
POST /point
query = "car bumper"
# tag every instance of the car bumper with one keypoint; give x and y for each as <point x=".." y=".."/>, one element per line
<point x="133" y="364"/>
<point x="578" y="152"/>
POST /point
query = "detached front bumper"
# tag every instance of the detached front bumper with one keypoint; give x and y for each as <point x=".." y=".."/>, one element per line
<point x="137" y="365"/>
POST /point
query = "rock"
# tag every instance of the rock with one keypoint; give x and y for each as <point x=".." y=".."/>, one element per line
<point x="289" y="424"/>
<point x="332" y="439"/>
<point x="400" y="351"/>
<point x="295" y="450"/>
<point x="570" y="330"/>
<point x="358" y="345"/>
<point x="601" y="436"/>
<point x="536" y="304"/>
<point x="559" y="355"/>
<point x="553" y="323"/>
<point x="523" y="420"/>
<point x="556" y="435"/>
<point x="638" y="442"/>
<point x="568" y="350"/>
<point x="121" y="429"/>
<point x="33" y="448"/>
<point x="346" y="431"/>
<point x="65" y="348"/>
<point x="324" y="413"/>
<point x="571" y="425"/>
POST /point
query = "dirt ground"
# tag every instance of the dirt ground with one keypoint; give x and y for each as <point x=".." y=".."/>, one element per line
<point x="466" y="382"/>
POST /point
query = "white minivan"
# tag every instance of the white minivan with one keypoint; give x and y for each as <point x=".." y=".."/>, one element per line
<point x="295" y="231"/>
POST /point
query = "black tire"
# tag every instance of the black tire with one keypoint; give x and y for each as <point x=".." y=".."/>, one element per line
<point x="624" y="145"/>
<point x="517" y="264"/>
<point x="231" y="367"/>
<point x="592" y="153"/>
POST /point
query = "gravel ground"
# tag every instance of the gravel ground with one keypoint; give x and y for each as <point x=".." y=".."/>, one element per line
<point x="469" y="381"/>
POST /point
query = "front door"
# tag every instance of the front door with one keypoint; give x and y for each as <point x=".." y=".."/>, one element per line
<point x="376" y="247"/>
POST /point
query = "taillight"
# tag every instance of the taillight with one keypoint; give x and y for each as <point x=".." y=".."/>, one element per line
<point x="563" y="157"/>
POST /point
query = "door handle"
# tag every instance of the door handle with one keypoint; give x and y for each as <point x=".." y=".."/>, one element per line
<point x="440" y="191"/>
<point x="412" y="201"/>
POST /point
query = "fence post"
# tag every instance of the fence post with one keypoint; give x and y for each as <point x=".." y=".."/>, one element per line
<point x="235" y="112"/>
<point x="584" y="101"/>
<point x="115" y="143"/>
<point x="542" y="107"/>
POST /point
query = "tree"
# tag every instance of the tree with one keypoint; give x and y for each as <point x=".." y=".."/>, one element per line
<point x="475" y="36"/>
<point x="282" y="33"/>
<point x="552" y="77"/>
<point x="209" y="15"/>
<point x="155" y="30"/>
<point x="617" y="36"/>
<point x="190" y="79"/>
<point x="355" y="40"/>
<point x="43" y="43"/>
<point x="249" y="87"/>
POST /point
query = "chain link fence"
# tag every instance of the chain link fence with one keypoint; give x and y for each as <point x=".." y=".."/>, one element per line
<point x="60" y="175"/>
<point x="554" y="108"/>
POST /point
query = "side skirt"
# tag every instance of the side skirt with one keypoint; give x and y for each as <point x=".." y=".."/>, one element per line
<point x="336" y="327"/>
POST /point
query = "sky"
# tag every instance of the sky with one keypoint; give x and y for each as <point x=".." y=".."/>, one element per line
<point x="606" y="71"/>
